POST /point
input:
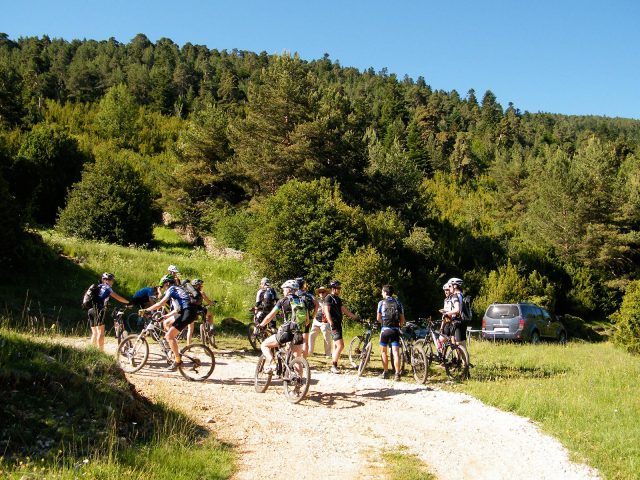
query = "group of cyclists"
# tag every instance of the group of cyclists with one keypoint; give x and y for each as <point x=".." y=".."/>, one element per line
<point x="305" y="315"/>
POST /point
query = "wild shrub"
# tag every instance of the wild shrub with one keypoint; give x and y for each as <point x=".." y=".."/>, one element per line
<point x="626" y="320"/>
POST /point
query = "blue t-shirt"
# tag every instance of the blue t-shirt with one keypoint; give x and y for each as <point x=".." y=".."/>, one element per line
<point x="145" y="292"/>
<point x="382" y="312"/>
<point x="179" y="295"/>
<point x="105" y="293"/>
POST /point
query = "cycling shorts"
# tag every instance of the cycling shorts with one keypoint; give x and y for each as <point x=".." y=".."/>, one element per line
<point x="289" y="333"/>
<point x="96" y="316"/>
<point x="390" y="336"/>
<point x="336" y="331"/>
<point x="187" y="316"/>
<point x="459" y="330"/>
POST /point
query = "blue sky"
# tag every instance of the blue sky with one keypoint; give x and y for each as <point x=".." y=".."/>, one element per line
<point x="562" y="56"/>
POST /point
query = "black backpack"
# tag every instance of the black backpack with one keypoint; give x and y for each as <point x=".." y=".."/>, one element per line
<point x="91" y="296"/>
<point x="195" y="297"/>
<point x="391" y="312"/>
<point x="465" y="308"/>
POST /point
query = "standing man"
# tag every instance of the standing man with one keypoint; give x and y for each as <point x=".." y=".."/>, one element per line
<point x="391" y="316"/>
<point x="97" y="312"/>
<point x="320" y="324"/>
<point x="312" y="307"/>
<point x="457" y="327"/>
<point x="333" y="311"/>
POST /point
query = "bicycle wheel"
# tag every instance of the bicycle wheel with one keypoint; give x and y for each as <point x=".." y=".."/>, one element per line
<point x="132" y="354"/>
<point x="255" y="336"/>
<point x="134" y="323"/>
<point x="419" y="364"/>
<point x="261" y="380"/>
<point x="356" y="347"/>
<point x="206" y="336"/>
<point x="296" y="385"/>
<point x="455" y="363"/>
<point x="198" y="362"/>
<point x="364" y="358"/>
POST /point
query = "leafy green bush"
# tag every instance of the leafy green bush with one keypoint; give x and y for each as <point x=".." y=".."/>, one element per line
<point x="111" y="203"/>
<point x="233" y="230"/>
<point x="301" y="230"/>
<point x="627" y="320"/>
<point x="363" y="273"/>
<point x="577" y="328"/>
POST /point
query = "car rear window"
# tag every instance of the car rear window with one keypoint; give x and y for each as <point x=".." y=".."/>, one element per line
<point x="503" y="311"/>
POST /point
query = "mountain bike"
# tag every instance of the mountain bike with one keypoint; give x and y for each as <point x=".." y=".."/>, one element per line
<point x="294" y="372"/>
<point x="439" y="348"/>
<point x="197" y="364"/>
<point x="207" y="331"/>
<point x="360" y="347"/>
<point x="411" y="353"/>
<point x="118" y="323"/>
<point x="256" y="334"/>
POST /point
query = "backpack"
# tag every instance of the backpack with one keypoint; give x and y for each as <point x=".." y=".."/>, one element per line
<point x="268" y="299"/>
<point x="195" y="297"/>
<point x="465" y="308"/>
<point x="391" y="312"/>
<point x="91" y="296"/>
<point x="299" y="312"/>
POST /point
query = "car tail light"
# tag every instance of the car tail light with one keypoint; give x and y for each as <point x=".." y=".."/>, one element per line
<point x="521" y="323"/>
<point x="484" y="324"/>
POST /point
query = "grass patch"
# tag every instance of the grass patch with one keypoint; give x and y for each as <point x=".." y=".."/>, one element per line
<point x="586" y="395"/>
<point x="399" y="464"/>
<point x="68" y="413"/>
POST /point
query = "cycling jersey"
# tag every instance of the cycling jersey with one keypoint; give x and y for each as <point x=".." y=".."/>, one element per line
<point x="105" y="293"/>
<point x="145" y="292"/>
<point x="179" y="297"/>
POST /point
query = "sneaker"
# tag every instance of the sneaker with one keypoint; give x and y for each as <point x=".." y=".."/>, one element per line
<point x="173" y="366"/>
<point x="334" y="369"/>
<point x="384" y="375"/>
<point x="396" y="377"/>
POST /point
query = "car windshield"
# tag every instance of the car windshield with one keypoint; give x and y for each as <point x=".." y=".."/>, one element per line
<point x="503" y="311"/>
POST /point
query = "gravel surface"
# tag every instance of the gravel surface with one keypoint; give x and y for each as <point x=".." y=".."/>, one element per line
<point x="339" y="430"/>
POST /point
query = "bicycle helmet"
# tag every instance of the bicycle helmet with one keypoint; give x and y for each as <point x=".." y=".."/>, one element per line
<point x="265" y="281"/>
<point x="300" y="281"/>
<point x="167" y="279"/>
<point x="290" y="284"/>
<point x="335" y="284"/>
<point x="108" y="276"/>
<point x="173" y="269"/>
<point x="197" y="282"/>
<point x="455" y="281"/>
<point x="446" y="286"/>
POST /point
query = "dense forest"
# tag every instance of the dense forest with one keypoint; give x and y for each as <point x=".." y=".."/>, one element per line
<point x="318" y="169"/>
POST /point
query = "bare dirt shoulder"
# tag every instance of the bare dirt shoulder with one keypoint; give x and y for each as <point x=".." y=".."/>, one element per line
<point x="346" y="421"/>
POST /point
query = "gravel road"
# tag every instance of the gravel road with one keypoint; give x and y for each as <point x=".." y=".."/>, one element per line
<point x="339" y="430"/>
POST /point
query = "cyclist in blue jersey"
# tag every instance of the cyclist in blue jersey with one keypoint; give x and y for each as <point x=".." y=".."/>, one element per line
<point x="183" y="311"/>
<point x="145" y="296"/>
<point x="391" y="316"/>
<point x="97" y="313"/>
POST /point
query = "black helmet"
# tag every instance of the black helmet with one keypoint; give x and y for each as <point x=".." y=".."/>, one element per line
<point x="335" y="284"/>
<point x="300" y="281"/>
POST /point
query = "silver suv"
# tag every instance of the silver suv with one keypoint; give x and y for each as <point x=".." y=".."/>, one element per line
<point x="521" y="321"/>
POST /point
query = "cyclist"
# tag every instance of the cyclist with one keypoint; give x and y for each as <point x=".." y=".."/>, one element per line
<point x="453" y="325"/>
<point x="320" y="324"/>
<point x="333" y="312"/>
<point x="145" y="296"/>
<point x="312" y="307"/>
<point x="183" y="313"/>
<point x="266" y="298"/>
<point x="198" y="284"/>
<point x="289" y="331"/>
<point x="175" y="273"/>
<point x="391" y="316"/>
<point x="97" y="313"/>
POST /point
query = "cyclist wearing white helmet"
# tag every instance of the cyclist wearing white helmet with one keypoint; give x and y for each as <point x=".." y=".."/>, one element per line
<point x="453" y="324"/>
<point x="97" y="313"/>
<point x="175" y="273"/>
<point x="312" y="306"/>
<point x="290" y="331"/>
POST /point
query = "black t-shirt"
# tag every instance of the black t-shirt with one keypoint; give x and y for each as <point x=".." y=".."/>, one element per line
<point x="335" y="307"/>
<point x="284" y="305"/>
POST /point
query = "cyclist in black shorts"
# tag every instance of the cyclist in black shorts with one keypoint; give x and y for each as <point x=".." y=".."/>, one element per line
<point x="333" y="311"/>
<point x="391" y="316"/>
<point x="288" y="332"/>
<point x="312" y="306"/>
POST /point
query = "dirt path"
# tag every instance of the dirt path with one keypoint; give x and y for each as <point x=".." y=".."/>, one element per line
<point x="346" y="421"/>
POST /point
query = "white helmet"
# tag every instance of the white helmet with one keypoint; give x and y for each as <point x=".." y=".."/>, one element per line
<point x="455" y="281"/>
<point x="265" y="281"/>
<point x="446" y="286"/>
<point x="173" y="269"/>
<point x="290" y="284"/>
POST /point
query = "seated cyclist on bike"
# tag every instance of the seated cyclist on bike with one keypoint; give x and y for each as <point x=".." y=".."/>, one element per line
<point x="183" y="311"/>
<point x="290" y="331"/>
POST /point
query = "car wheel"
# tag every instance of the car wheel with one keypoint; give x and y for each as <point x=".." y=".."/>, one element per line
<point x="562" y="337"/>
<point x="535" y="337"/>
